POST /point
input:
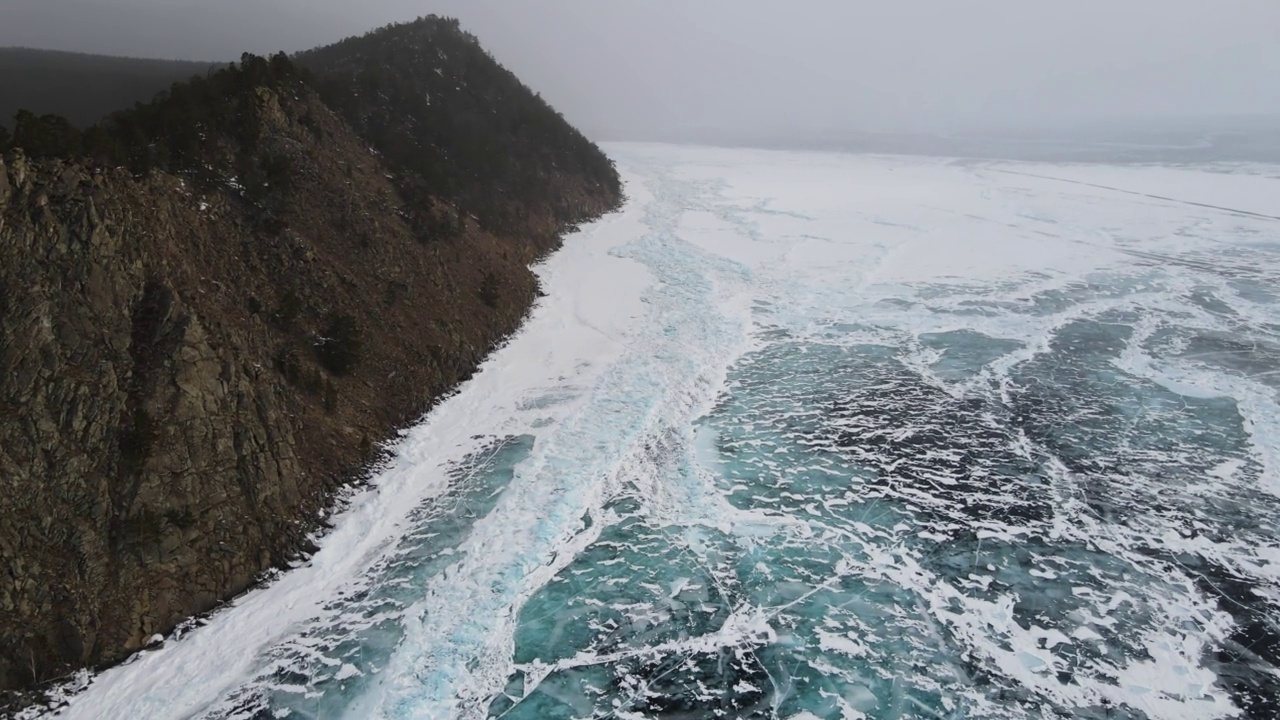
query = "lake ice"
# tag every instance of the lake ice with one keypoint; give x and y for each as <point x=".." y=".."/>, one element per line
<point x="801" y="435"/>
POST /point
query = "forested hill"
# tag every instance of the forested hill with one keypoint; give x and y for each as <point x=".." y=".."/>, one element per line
<point x="450" y="122"/>
<point x="215" y="305"/>
<point x="80" y="87"/>
<point x="447" y="115"/>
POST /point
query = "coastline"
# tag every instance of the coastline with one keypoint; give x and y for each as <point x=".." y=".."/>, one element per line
<point x="563" y="328"/>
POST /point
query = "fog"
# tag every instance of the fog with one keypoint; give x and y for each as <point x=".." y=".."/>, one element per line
<point x="656" y="68"/>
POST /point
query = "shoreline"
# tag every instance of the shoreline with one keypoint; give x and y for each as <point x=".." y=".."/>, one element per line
<point x="363" y="522"/>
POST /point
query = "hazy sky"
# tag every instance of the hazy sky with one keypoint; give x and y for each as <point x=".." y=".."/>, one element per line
<point x="624" y="68"/>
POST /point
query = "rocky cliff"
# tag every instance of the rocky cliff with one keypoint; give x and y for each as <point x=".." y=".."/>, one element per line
<point x="195" y="355"/>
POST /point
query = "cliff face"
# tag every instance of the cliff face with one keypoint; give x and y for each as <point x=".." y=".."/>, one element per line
<point x="189" y="370"/>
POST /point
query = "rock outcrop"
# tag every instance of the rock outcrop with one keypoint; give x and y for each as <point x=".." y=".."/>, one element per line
<point x="183" y="385"/>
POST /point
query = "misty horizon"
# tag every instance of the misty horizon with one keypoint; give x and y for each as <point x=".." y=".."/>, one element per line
<point x="719" y="70"/>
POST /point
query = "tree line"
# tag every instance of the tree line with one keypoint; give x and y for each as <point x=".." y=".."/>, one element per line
<point x="179" y="130"/>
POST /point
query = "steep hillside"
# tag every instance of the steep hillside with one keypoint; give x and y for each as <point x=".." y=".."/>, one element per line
<point x="82" y="88"/>
<point x="213" y="307"/>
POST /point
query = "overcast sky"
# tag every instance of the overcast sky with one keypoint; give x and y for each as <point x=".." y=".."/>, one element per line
<point x="630" y="68"/>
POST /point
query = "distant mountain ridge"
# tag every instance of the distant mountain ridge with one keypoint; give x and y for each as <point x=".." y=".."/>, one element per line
<point x="216" y="304"/>
<point x="1171" y="140"/>
<point x="81" y="87"/>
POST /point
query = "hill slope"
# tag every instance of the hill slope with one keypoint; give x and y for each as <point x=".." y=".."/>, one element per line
<point x="83" y="88"/>
<point x="215" y="305"/>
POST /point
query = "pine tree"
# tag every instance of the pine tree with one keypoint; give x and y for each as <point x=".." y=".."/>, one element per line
<point x="45" y="135"/>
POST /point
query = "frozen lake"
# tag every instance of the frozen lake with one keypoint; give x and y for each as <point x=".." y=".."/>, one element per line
<point x="807" y="436"/>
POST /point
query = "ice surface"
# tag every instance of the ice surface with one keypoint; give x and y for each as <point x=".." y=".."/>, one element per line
<point x="818" y="436"/>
